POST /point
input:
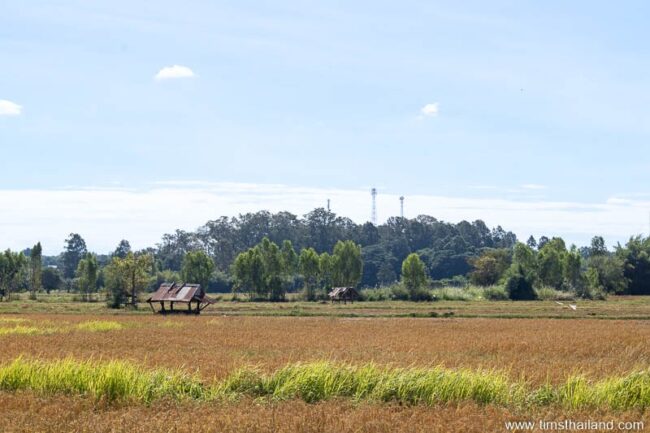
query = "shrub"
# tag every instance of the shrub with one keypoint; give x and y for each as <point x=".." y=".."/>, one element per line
<point x="550" y="294"/>
<point x="495" y="293"/>
<point x="519" y="288"/>
<point x="421" y="295"/>
<point x="376" y="295"/>
<point x="452" y="294"/>
<point x="399" y="293"/>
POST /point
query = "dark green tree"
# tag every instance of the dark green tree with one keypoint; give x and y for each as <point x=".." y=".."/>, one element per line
<point x="490" y="266"/>
<point x="197" y="268"/>
<point x="309" y="264"/>
<point x="347" y="265"/>
<point x="51" y="279"/>
<point x="75" y="250"/>
<point x="36" y="269"/>
<point x="123" y="249"/>
<point x="414" y="276"/>
<point x="86" y="274"/>
<point x="518" y="287"/>
<point x="11" y="266"/>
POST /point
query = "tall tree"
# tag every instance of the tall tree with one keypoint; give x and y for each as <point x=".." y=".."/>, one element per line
<point x="551" y="260"/>
<point x="325" y="266"/>
<point x="197" y="267"/>
<point x="490" y="266"/>
<point x="75" y="250"/>
<point x="130" y="276"/>
<point x="36" y="267"/>
<point x="309" y="265"/>
<point x="274" y="269"/>
<point x="598" y="247"/>
<point x="87" y="275"/>
<point x="289" y="258"/>
<point x="11" y="265"/>
<point x="414" y="275"/>
<point x="123" y="248"/>
<point x="347" y="263"/>
<point x="531" y="242"/>
<point x="51" y="279"/>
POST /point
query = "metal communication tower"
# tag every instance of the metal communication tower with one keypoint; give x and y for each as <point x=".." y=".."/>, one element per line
<point x="328" y="205"/>
<point x="401" y="207"/>
<point x="373" y="215"/>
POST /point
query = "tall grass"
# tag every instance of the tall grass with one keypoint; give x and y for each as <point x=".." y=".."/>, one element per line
<point x="100" y="326"/>
<point x="26" y="330"/>
<point x="120" y="380"/>
<point x="114" y="380"/>
<point x="20" y="327"/>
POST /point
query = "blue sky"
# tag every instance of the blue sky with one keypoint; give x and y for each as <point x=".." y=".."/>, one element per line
<point x="535" y="103"/>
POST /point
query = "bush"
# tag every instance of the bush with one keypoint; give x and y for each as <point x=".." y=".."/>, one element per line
<point x="520" y="289"/>
<point x="399" y="293"/>
<point x="550" y="294"/>
<point x="495" y="293"/>
<point x="421" y="295"/>
<point x="453" y="294"/>
<point x="595" y="293"/>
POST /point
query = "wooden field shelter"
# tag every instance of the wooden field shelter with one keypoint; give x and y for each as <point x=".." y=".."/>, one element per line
<point x="343" y="294"/>
<point x="182" y="295"/>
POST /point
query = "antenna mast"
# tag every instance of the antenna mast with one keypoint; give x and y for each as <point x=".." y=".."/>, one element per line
<point x="328" y="205"/>
<point x="373" y="216"/>
<point x="401" y="207"/>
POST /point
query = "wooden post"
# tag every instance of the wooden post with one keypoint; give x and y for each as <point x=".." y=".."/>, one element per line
<point x="162" y="305"/>
<point x="171" y="306"/>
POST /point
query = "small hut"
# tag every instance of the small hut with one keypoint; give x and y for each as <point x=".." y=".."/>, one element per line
<point x="343" y="294"/>
<point x="179" y="293"/>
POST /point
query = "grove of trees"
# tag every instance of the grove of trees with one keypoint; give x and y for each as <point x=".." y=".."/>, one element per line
<point x="265" y="256"/>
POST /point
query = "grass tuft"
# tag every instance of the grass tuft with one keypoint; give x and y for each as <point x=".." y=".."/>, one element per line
<point x="100" y="326"/>
<point x="314" y="382"/>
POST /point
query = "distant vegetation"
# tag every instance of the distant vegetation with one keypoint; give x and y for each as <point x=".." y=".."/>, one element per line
<point x="264" y="256"/>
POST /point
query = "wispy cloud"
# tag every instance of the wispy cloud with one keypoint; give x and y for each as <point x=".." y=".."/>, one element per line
<point x="533" y="186"/>
<point x="8" y="108"/>
<point x="103" y="216"/>
<point x="430" y="110"/>
<point x="175" y="71"/>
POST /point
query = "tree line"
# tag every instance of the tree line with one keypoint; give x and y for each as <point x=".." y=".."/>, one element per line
<point x="266" y="255"/>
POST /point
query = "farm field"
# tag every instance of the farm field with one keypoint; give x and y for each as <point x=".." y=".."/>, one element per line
<point x="616" y="307"/>
<point x="211" y="348"/>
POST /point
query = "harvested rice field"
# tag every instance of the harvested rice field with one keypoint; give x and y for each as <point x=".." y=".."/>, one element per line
<point x="90" y="372"/>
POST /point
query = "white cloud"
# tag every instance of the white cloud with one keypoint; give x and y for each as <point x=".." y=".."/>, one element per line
<point x="8" y="108"/>
<point x="103" y="216"/>
<point x="175" y="71"/>
<point x="430" y="110"/>
<point x="533" y="186"/>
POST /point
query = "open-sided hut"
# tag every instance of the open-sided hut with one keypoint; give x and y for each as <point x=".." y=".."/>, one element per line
<point x="171" y="294"/>
<point x="343" y="294"/>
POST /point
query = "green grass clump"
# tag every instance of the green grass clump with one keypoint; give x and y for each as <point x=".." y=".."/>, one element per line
<point x="114" y="380"/>
<point x="318" y="381"/>
<point x="25" y="330"/>
<point x="620" y="393"/>
<point x="323" y="380"/>
<point x="100" y="326"/>
<point x="11" y="320"/>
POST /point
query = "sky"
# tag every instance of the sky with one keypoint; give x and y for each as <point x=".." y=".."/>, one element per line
<point x="132" y="119"/>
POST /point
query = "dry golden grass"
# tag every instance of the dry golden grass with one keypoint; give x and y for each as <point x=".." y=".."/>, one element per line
<point x="535" y="349"/>
<point x="213" y="346"/>
<point x="28" y="413"/>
